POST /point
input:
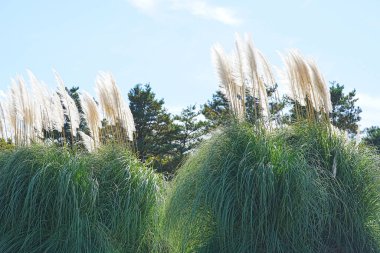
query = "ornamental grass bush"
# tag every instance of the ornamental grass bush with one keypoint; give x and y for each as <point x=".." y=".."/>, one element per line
<point x="290" y="185"/>
<point x="53" y="200"/>
<point x="282" y="183"/>
<point x="353" y="176"/>
<point x="301" y="188"/>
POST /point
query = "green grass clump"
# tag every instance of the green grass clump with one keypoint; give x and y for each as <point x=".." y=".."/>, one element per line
<point x="248" y="190"/>
<point x="353" y="178"/>
<point x="55" y="201"/>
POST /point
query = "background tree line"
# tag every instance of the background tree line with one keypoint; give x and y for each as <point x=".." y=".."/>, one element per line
<point x="163" y="140"/>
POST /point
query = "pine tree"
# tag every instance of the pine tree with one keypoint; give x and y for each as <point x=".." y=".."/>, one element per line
<point x="217" y="110"/>
<point x="74" y="94"/>
<point x="155" y="131"/>
<point x="345" y="114"/>
<point x="190" y="130"/>
<point x="372" y="137"/>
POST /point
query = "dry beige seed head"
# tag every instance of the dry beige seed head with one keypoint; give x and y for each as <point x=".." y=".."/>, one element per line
<point x="239" y="70"/>
<point x="22" y="112"/>
<point x="87" y="141"/>
<point x="229" y="87"/>
<point x="92" y="116"/>
<point x="259" y="73"/>
<point x="253" y="76"/>
<point x="41" y="104"/>
<point x="56" y="112"/>
<point x="112" y="103"/>
<point x="2" y="122"/>
<point x="248" y="71"/>
<point x="71" y="110"/>
<point x="299" y="78"/>
<point x="307" y="82"/>
<point x="320" y="87"/>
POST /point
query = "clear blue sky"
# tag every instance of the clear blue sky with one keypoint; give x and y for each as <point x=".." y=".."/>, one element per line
<point x="167" y="42"/>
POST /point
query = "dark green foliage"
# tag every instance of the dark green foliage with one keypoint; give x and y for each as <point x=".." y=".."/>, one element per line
<point x="190" y="130"/>
<point x="163" y="140"/>
<point x="65" y="137"/>
<point x="74" y="94"/>
<point x="372" y="137"/>
<point x="298" y="112"/>
<point x="276" y="104"/>
<point x="254" y="112"/>
<point x="83" y="126"/>
<point x="248" y="190"/>
<point x="155" y="131"/>
<point x="354" y="187"/>
<point x="56" y="201"/>
<point x="237" y="195"/>
<point x="217" y="111"/>
<point x="6" y="145"/>
<point x="345" y="114"/>
<point x="114" y="134"/>
<point x="69" y="139"/>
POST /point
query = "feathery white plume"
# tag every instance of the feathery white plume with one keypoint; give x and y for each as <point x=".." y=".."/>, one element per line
<point x="87" y="141"/>
<point x="321" y="90"/>
<point x="23" y="113"/>
<point x="71" y="110"/>
<point x="3" y="121"/>
<point x="56" y="112"/>
<point x="92" y="116"/>
<point x="40" y="103"/>
<point x="229" y="87"/>
<point x="307" y="82"/>
<point x="112" y="103"/>
<point x="247" y="71"/>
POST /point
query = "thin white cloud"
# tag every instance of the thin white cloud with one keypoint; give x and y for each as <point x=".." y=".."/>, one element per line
<point x="202" y="9"/>
<point x="199" y="8"/>
<point x="147" y="6"/>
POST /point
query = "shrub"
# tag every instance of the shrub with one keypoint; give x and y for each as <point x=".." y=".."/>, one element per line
<point x="56" y="201"/>
<point x="248" y="190"/>
<point x="353" y="176"/>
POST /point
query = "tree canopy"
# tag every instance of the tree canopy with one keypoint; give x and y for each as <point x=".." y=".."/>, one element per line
<point x="345" y="114"/>
<point x="161" y="138"/>
<point x="155" y="130"/>
<point x="372" y="137"/>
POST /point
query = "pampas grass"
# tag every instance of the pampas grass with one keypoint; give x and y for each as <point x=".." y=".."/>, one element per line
<point x="247" y="71"/>
<point x="92" y="116"/>
<point x="116" y="111"/>
<point x="70" y="108"/>
<point x="308" y="86"/>
<point x="25" y="120"/>
<point x="234" y="92"/>
<point x="3" y="116"/>
<point x="352" y="171"/>
<point x="60" y="199"/>
<point x="303" y="187"/>
<point x="247" y="190"/>
<point x="55" y="201"/>
<point x="244" y="192"/>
